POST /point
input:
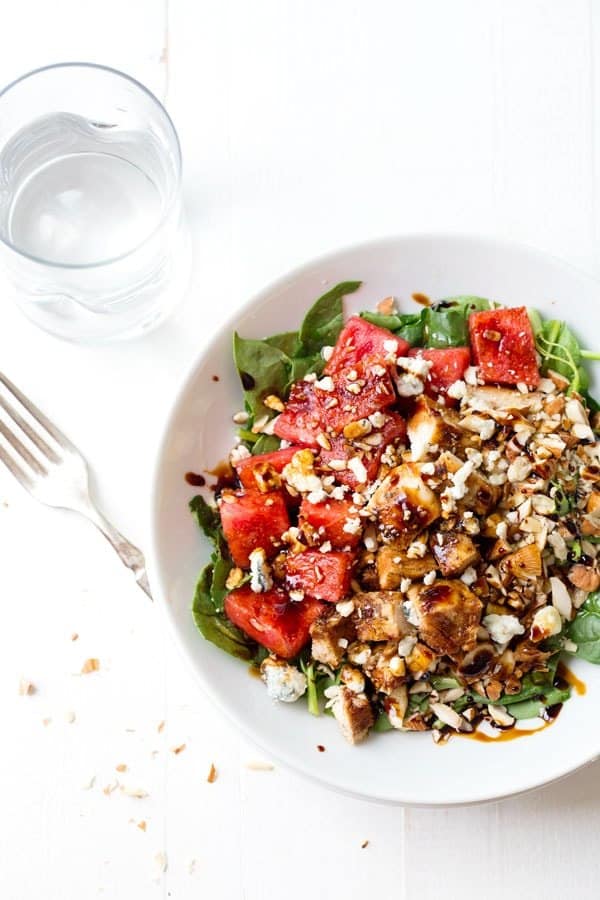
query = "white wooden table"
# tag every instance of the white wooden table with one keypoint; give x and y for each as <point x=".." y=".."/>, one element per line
<point x="304" y="126"/>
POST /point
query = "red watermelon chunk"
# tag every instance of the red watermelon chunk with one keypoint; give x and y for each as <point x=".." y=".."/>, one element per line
<point x="503" y="346"/>
<point x="255" y="472"/>
<point x="448" y="365"/>
<point x="300" y="422"/>
<point x="322" y="576"/>
<point x="360" y="339"/>
<point x="328" y="519"/>
<point x="393" y="431"/>
<point x="358" y="392"/>
<point x="251" y="521"/>
<point x="272" y="619"/>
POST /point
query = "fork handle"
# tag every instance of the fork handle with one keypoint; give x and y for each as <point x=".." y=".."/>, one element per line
<point x="129" y="554"/>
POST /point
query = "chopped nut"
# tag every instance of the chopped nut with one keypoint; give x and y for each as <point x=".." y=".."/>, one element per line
<point x="90" y="665"/>
<point x="179" y="749"/>
<point x="259" y="766"/>
<point x="212" y="774"/>
<point x="121" y="767"/>
<point x="26" y="688"/>
<point x="273" y="402"/>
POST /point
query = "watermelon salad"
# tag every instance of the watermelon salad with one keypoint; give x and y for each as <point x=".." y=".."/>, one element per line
<point x="407" y="535"/>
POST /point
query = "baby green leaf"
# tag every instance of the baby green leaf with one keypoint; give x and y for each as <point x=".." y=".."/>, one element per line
<point x="214" y="625"/>
<point x="206" y="516"/>
<point x="325" y="319"/>
<point x="584" y="630"/>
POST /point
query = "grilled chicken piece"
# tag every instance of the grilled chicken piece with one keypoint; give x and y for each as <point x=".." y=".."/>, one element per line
<point x="386" y="669"/>
<point x="393" y="564"/>
<point x="354" y="714"/>
<point x="327" y="631"/>
<point x="481" y="497"/>
<point x="425" y="428"/>
<point x="379" y="616"/>
<point x="503" y="400"/>
<point x="403" y="502"/>
<point x="453" y="552"/>
<point x="420" y="660"/>
<point x="449" y="614"/>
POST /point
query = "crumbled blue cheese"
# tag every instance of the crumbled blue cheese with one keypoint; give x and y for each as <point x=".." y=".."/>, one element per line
<point x="469" y="576"/>
<point x="461" y="476"/>
<point x="502" y="628"/>
<point x="414" y="365"/>
<point x="457" y="390"/>
<point x="377" y="419"/>
<point x="326" y="352"/>
<point x="430" y="577"/>
<point x="411" y="613"/>
<point x="239" y="453"/>
<point x="408" y="385"/>
<point x="352" y="526"/>
<point x="284" y="683"/>
<point x="299" y="472"/>
<point x="260" y="572"/>
<point x="406" y="645"/>
<point x="356" y="466"/>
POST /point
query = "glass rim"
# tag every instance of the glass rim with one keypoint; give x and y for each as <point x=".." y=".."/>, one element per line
<point x="174" y="194"/>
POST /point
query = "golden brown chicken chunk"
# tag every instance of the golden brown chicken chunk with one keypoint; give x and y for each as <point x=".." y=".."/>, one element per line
<point x="379" y="616"/>
<point x="394" y="564"/>
<point x="453" y="551"/>
<point x="403" y="502"/>
<point x="449" y="614"/>
<point x="331" y="633"/>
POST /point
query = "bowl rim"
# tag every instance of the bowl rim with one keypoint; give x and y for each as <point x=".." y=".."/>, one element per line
<point x="158" y="588"/>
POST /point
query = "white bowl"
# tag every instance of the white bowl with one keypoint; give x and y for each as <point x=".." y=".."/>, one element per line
<point x="392" y="767"/>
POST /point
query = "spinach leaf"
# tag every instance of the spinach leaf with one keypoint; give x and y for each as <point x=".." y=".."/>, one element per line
<point x="263" y="370"/>
<point x="382" y="723"/>
<point x="325" y="319"/>
<point x="288" y="342"/>
<point x="409" y="326"/>
<point x="222" y="566"/>
<point x="302" y="365"/>
<point x="206" y="516"/>
<point x="264" y="443"/>
<point x="446" y="322"/>
<point x="584" y="630"/>
<point x="214" y="625"/>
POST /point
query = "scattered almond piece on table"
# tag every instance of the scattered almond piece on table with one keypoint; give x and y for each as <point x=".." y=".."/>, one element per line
<point x="364" y="844"/>
<point x="90" y="665"/>
<point x="179" y="749"/>
<point x="212" y="774"/>
<point x="142" y="825"/>
<point x="259" y="766"/>
<point x="74" y="636"/>
<point x="26" y="687"/>
<point x="160" y="726"/>
<point x="70" y="717"/>
<point x="121" y="767"/>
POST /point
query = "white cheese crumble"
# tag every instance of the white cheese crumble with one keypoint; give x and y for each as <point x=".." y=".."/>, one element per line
<point x="457" y="390"/>
<point x="260" y="572"/>
<point x="414" y="365"/>
<point x="327" y="353"/>
<point x="325" y="547"/>
<point x="460" y="478"/>
<point x="284" y="683"/>
<point x="430" y="577"/>
<point x="417" y="550"/>
<point x="406" y="645"/>
<point x="411" y="612"/>
<point x="239" y="453"/>
<point x="428" y="468"/>
<point x="299" y="472"/>
<point x="345" y="608"/>
<point x="352" y="526"/>
<point x="502" y="628"/>
<point x="405" y="583"/>
<point x="390" y="346"/>
<point x="356" y="466"/>
<point x="471" y="374"/>
<point x="408" y="385"/>
<point x="469" y="576"/>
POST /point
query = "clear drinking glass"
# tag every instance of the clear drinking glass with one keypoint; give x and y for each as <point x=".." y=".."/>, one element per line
<point x="92" y="232"/>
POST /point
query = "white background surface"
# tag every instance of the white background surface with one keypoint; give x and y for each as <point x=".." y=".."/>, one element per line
<point x="304" y="126"/>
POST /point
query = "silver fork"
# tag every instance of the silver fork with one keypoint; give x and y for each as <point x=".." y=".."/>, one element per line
<point x="57" y="473"/>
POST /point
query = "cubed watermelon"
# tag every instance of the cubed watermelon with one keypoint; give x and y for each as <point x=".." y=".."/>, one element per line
<point x="360" y="339"/>
<point x="260" y="472"/>
<point x="321" y="576"/>
<point x="328" y="519"/>
<point x="272" y="619"/>
<point x="251" y="521"/>
<point x="393" y="431"/>
<point x="359" y="391"/>
<point x="300" y="422"/>
<point x="503" y="346"/>
<point x="448" y="365"/>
